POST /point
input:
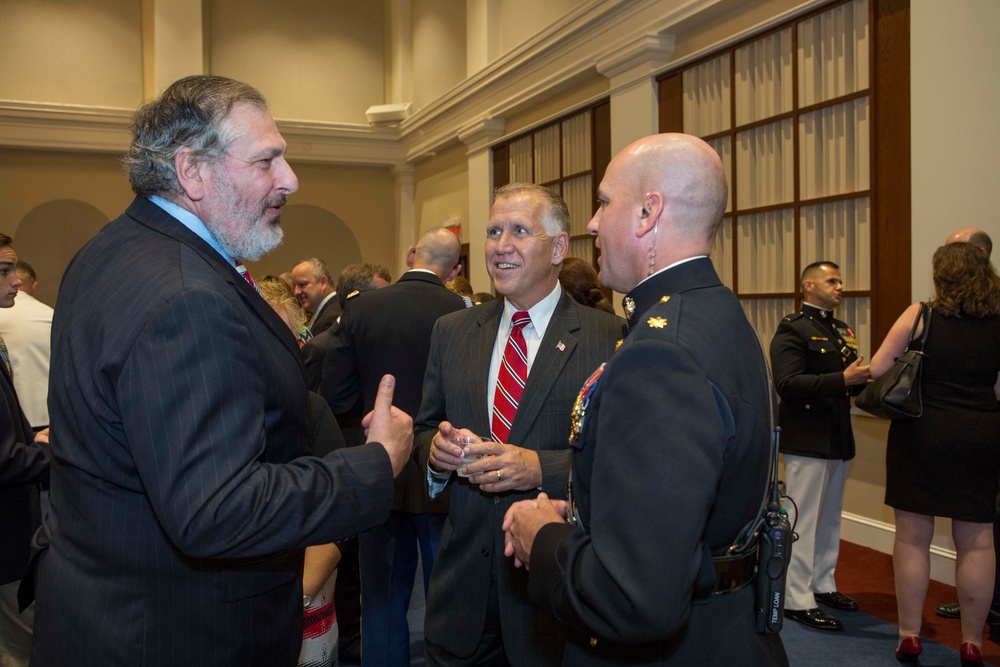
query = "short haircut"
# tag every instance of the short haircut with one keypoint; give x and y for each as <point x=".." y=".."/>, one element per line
<point x="5" y="241"/>
<point x="26" y="269"/>
<point x="190" y="112"/>
<point x="358" y="277"/>
<point x="810" y="271"/>
<point x="318" y="268"/>
<point x="383" y="273"/>
<point x="556" y="217"/>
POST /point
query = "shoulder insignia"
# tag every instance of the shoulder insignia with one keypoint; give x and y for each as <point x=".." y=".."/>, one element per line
<point x="664" y="299"/>
<point x="657" y="322"/>
<point x="628" y="305"/>
<point x="353" y="294"/>
<point x="619" y="343"/>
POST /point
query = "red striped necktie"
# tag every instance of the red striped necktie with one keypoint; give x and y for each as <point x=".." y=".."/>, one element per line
<point x="511" y="378"/>
<point x="246" y="275"/>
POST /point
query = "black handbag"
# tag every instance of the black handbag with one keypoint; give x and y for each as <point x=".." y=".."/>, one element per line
<point x="896" y="395"/>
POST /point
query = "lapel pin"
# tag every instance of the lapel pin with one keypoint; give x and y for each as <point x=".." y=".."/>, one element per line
<point x="561" y="346"/>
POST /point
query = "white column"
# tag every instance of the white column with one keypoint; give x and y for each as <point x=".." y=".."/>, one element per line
<point x="482" y="34"/>
<point x="631" y="69"/>
<point x="399" y="52"/>
<point x="173" y="43"/>
<point x="478" y="136"/>
<point x="406" y="232"/>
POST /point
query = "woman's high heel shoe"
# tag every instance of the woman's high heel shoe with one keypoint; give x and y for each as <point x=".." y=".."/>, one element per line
<point x="970" y="655"/>
<point x="909" y="649"/>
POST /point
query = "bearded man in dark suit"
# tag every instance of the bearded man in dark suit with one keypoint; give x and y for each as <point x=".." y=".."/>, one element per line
<point x="477" y="608"/>
<point x="671" y="443"/>
<point x="183" y="493"/>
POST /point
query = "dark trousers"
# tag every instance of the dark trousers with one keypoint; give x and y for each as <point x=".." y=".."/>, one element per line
<point x="489" y="653"/>
<point x="388" y="556"/>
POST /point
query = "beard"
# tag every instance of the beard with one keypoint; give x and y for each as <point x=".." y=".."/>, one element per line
<point x="243" y="229"/>
<point x="253" y="241"/>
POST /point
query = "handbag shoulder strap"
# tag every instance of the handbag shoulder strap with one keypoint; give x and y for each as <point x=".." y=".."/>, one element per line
<point x="925" y="315"/>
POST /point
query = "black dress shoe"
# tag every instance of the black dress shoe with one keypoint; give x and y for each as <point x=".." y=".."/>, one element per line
<point x="815" y="618"/>
<point x="948" y="610"/>
<point x="836" y="600"/>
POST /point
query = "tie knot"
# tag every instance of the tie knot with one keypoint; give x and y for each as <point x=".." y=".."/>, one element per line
<point x="521" y="319"/>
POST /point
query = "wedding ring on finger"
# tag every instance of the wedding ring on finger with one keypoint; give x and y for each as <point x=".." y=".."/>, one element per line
<point x="499" y="476"/>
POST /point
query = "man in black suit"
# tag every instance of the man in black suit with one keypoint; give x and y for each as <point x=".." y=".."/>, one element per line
<point x="477" y="608"/>
<point x="389" y="331"/>
<point x="183" y="493"/>
<point x="313" y="287"/>
<point x="670" y="440"/>
<point x="24" y="464"/>
<point x="814" y="358"/>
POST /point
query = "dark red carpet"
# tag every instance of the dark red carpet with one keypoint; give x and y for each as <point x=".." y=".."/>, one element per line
<point x="866" y="575"/>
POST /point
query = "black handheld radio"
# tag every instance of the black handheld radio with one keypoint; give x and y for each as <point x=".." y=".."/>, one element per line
<point x="774" y="549"/>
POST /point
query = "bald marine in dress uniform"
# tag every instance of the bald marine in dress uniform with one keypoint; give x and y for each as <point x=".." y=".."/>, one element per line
<point x="814" y="358"/>
<point x="671" y="445"/>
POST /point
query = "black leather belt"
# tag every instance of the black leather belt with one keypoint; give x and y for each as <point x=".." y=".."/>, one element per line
<point x="733" y="572"/>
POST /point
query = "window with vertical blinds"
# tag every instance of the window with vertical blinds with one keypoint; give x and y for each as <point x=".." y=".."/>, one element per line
<point x="790" y="114"/>
<point x="569" y="156"/>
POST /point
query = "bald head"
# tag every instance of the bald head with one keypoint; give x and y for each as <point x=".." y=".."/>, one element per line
<point x="689" y="173"/>
<point x="664" y="199"/>
<point x="973" y="236"/>
<point x="437" y="251"/>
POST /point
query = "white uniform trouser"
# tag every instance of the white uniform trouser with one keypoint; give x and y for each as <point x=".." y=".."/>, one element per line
<point x="817" y="487"/>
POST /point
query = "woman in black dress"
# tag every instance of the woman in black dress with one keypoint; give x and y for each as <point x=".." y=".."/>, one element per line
<point x="947" y="462"/>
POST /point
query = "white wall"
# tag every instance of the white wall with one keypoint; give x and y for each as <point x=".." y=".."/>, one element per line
<point x="955" y="97"/>
<point x="71" y="51"/>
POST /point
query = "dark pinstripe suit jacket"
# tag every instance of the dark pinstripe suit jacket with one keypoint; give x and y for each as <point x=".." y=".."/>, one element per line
<point x="389" y="331"/>
<point x="455" y="390"/>
<point x="180" y="502"/>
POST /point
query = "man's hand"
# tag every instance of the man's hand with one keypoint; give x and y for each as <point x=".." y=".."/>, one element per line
<point x="390" y="426"/>
<point x="42" y="436"/>
<point x="856" y="373"/>
<point x="523" y="521"/>
<point x="504" y="467"/>
<point x="446" y="454"/>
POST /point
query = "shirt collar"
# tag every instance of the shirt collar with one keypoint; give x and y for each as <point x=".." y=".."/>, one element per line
<point x="192" y="222"/>
<point x="540" y="313"/>
<point x="667" y="268"/>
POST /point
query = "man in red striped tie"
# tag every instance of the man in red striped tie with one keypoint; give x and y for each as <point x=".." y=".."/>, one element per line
<point x="530" y="352"/>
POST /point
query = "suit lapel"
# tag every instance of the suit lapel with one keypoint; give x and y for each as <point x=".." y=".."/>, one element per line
<point x="154" y="217"/>
<point x="485" y="339"/>
<point x="556" y="348"/>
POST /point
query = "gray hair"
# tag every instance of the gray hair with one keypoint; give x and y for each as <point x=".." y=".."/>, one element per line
<point x="318" y="268"/>
<point x="191" y="112"/>
<point x="556" y="218"/>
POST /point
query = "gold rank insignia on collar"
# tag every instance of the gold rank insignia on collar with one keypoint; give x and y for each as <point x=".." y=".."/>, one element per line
<point x="657" y="322"/>
<point x="629" y="305"/>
